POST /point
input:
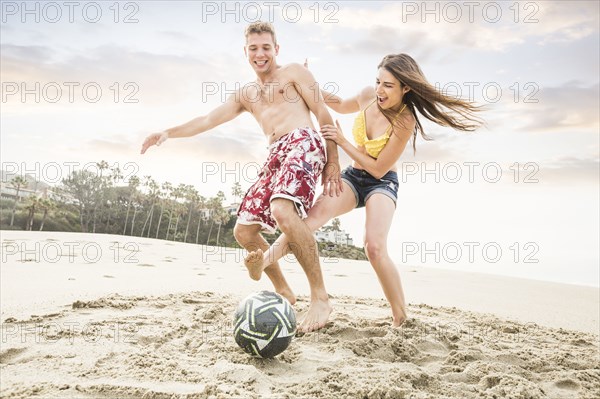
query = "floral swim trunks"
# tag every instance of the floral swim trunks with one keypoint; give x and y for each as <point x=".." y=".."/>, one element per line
<point x="291" y="171"/>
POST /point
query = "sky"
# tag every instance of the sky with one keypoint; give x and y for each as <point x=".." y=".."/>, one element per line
<point x="88" y="81"/>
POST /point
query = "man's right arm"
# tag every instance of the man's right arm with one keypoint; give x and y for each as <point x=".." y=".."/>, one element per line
<point x="223" y="113"/>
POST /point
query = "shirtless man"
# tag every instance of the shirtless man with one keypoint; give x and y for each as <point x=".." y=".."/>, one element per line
<point x="281" y="100"/>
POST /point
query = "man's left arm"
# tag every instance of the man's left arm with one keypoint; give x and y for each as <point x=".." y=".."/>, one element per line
<point x="311" y="94"/>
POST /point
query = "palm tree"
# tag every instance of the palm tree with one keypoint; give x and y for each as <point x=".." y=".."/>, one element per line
<point x="84" y="187"/>
<point x="102" y="166"/>
<point x="192" y="196"/>
<point x="201" y="205"/>
<point x="152" y="188"/>
<point x="335" y="224"/>
<point x="222" y="218"/>
<point x="47" y="205"/>
<point x="236" y="191"/>
<point x="177" y="193"/>
<point x="167" y="188"/>
<point x="136" y="199"/>
<point x="31" y="207"/>
<point x="17" y="182"/>
<point x="179" y="211"/>
<point x="115" y="177"/>
<point x="134" y="182"/>
<point x="215" y="206"/>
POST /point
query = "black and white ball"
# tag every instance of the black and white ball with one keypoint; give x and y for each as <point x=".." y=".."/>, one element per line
<point x="264" y="324"/>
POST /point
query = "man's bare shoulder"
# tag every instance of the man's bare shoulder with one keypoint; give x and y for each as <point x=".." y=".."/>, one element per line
<point x="294" y="71"/>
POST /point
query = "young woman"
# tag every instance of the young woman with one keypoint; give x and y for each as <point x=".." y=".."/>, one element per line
<point x="386" y="121"/>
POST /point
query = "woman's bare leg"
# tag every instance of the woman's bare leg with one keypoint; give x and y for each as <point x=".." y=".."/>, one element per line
<point x="380" y="211"/>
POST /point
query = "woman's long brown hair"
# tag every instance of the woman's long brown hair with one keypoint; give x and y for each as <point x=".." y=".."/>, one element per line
<point x="429" y="101"/>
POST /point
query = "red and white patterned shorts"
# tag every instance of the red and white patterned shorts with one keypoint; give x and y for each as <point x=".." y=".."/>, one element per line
<point x="291" y="171"/>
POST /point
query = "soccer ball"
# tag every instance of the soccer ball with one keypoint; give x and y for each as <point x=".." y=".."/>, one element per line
<point x="264" y="324"/>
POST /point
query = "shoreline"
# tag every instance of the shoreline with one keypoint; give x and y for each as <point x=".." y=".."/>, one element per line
<point x="405" y="266"/>
<point x="96" y="265"/>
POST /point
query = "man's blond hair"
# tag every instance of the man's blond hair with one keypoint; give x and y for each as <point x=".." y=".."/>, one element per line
<point x="261" y="27"/>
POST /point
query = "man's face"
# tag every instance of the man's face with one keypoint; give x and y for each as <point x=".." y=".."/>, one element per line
<point x="261" y="51"/>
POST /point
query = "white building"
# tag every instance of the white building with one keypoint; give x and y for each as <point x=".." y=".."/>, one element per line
<point x="336" y="237"/>
<point x="233" y="208"/>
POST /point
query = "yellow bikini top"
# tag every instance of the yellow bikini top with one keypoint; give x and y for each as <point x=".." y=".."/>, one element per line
<point x="359" y="131"/>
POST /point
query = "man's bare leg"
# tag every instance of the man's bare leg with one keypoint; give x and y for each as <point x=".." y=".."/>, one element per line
<point x="249" y="237"/>
<point x="304" y="247"/>
<point x="324" y="209"/>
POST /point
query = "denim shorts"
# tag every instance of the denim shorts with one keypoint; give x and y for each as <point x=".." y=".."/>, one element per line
<point x="364" y="185"/>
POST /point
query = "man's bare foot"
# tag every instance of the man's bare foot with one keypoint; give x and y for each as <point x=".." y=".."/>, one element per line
<point x="254" y="262"/>
<point x="316" y="317"/>
<point x="287" y="294"/>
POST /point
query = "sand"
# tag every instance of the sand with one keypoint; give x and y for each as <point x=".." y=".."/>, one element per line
<point x="152" y="319"/>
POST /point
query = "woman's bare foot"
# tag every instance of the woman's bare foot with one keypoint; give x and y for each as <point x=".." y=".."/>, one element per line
<point x="255" y="264"/>
<point x="316" y="317"/>
<point x="398" y="320"/>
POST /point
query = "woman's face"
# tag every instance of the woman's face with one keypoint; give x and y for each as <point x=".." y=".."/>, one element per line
<point x="388" y="89"/>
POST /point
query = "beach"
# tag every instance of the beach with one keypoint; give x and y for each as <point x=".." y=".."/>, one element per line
<point x="105" y="316"/>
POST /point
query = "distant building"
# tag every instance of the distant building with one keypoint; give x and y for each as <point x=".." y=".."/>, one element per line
<point x="7" y="191"/>
<point x="33" y="188"/>
<point x="205" y="213"/>
<point x="335" y="237"/>
<point x="233" y="208"/>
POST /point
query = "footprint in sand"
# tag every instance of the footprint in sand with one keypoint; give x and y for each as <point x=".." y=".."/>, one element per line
<point x="353" y="334"/>
<point x="581" y="342"/>
<point x="384" y="349"/>
<point x="459" y="358"/>
<point x="8" y="355"/>
<point x="567" y="384"/>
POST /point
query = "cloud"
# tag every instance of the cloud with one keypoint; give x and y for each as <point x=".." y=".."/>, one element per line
<point x="410" y="26"/>
<point x="157" y="79"/>
<point x="570" y="170"/>
<point x="564" y="108"/>
<point x="565" y="22"/>
<point x="380" y="39"/>
<point x="178" y="36"/>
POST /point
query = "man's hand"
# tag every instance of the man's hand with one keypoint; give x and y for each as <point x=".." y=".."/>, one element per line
<point x="332" y="180"/>
<point x="154" y="139"/>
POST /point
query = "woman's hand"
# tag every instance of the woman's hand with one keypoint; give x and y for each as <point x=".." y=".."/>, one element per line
<point x="333" y="133"/>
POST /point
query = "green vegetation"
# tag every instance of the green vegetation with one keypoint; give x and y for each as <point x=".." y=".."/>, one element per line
<point x="94" y="203"/>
